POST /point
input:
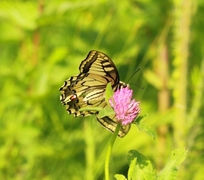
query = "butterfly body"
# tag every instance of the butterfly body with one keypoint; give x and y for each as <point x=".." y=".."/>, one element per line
<point x="87" y="90"/>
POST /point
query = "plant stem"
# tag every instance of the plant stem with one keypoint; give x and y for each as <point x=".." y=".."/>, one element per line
<point x="107" y="161"/>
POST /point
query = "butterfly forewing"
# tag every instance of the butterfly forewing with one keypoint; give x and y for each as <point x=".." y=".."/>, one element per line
<point x="99" y="63"/>
<point x="87" y="90"/>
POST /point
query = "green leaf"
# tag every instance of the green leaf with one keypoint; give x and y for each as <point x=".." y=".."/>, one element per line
<point x="140" y="118"/>
<point x="105" y="112"/>
<point x="140" y="167"/>
<point x="120" y="177"/>
<point x="144" y="127"/>
<point x="132" y="168"/>
<point x="170" y="171"/>
<point x="109" y="92"/>
<point x="91" y="109"/>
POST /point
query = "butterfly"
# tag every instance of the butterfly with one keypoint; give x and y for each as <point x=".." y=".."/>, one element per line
<point x="87" y="89"/>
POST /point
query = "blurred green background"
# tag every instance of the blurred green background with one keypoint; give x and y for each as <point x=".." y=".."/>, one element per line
<point x="42" y="44"/>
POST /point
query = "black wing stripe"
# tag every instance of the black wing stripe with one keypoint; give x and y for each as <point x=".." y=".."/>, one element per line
<point x="87" y="90"/>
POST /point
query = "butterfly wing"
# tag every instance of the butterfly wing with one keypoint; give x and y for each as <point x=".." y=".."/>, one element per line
<point x="110" y="123"/>
<point x="87" y="89"/>
<point x="99" y="63"/>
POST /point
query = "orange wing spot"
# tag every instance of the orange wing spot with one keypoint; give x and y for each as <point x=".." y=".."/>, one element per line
<point x="73" y="97"/>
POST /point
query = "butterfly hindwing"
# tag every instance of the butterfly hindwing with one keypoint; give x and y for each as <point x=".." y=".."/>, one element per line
<point x="87" y="90"/>
<point x="76" y="93"/>
<point x="110" y="123"/>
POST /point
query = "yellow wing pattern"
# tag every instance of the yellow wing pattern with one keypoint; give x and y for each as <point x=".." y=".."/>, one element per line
<point x="88" y="89"/>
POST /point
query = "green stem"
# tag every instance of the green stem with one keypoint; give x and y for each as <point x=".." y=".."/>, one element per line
<point x="107" y="161"/>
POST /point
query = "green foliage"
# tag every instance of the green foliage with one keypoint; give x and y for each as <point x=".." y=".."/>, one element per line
<point x="143" y="127"/>
<point x="170" y="171"/>
<point x="42" y="44"/>
<point x="106" y="112"/>
<point x="109" y="92"/>
<point x="142" y="168"/>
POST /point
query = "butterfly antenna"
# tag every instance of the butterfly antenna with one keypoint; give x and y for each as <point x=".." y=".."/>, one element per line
<point x="137" y="85"/>
<point x="133" y="74"/>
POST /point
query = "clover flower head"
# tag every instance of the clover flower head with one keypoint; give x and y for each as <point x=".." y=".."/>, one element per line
<point x="126" y="108"/>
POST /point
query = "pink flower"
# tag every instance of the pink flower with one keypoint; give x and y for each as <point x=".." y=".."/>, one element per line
<point x="126" y="108"/>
